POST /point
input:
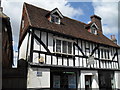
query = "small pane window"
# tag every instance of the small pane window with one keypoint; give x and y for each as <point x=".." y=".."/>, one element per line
<point x="58" y="45"/>
<point x="64" y="47"/>
<point x="93" y="30"/>
<point x="105" y="54"/>
<point x="55" y="19"/>
<point x="69" y="48"/>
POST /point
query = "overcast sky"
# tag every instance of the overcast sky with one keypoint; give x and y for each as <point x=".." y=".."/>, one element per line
<point x="106" y="9"/>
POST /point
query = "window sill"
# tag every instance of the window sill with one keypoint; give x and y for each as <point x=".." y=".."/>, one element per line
<point x="105" y="59"/>
<point x="63" y="54"/>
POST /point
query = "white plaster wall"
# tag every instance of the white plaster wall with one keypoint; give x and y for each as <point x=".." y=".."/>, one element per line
<point x="78" y="61"/>
<point x="117" y="79"/>
<point x="23" y="48"/>
<point x="34" y="81"/>
<point x="29" y="46"/>
<point x="59" y="61"/>
<point x="76" y="50"/>
<point x="48" y="59"/>
<point x="50" y="42"/>
<point x="94" y="74"/>
<point x="36" y="43"/>
<point x="35" y="57"/>
<point x="70" y="62"/>
<point x="79" y="44"/>
<point x="43" y="38"/>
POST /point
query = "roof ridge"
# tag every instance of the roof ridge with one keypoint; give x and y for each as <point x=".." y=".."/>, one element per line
<point x="51" y="10"/>
<point x="35" y="6"/>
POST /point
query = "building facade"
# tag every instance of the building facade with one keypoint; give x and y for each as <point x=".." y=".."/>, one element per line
<point x="7" y="48"/>
<point x="11" y="78"/>
<point x="65" y="53"/>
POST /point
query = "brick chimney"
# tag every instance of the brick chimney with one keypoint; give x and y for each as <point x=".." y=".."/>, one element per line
<point x="113" y="39"/>
<point x="97" y="20"/>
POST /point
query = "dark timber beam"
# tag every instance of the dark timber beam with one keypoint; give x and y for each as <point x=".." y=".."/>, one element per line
<point x="79" y="48"/>
<point x="39" y="40"/>
<point x="114" y="56"/>
<point x="94" y="50"/>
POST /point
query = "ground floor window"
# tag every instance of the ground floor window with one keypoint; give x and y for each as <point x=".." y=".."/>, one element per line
<point x="106" y="80"/>
<point x="63" y="79"/>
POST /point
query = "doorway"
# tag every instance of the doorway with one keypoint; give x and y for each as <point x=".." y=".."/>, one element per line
<point x="88" y="82"/>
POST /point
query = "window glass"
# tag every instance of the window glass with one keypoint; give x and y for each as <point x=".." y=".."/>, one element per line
<point x="69" y="48"/>
<point x="55" y="19"/>
<point x="105" y="54"/>
<point x="58" y="45"/>
<point x="64" y="47"/>
<point x="93" y="30"/>
<point x="56" y="81"/>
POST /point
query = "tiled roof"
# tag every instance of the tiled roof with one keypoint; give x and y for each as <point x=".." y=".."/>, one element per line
<point x="68" y="26"/>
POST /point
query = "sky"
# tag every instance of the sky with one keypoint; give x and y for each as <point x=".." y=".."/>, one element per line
<point x="80" y="10"/>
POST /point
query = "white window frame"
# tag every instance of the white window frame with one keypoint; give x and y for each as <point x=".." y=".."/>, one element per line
<point x="53" y="15"/>
<point x="95" y="27"/>
<point x="104" y="48"/>
<point x="62" y="39"/>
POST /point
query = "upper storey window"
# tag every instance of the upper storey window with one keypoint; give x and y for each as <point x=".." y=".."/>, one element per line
<point x="63" y="46"/>
<point x="55" y="16"/>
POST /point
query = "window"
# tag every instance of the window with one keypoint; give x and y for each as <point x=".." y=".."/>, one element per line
<point x="93" y="30"/>
<point x="63" y="46"/>
<point x="58" y="45"/>
<point x="69" y="48"/>
<point x="105" y="53"/>
<point x="55" y="19"/>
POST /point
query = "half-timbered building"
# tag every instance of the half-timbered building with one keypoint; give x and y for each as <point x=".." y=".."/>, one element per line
<point x="65" y="53"/>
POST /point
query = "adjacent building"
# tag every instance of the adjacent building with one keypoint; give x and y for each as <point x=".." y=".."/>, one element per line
<point x="7" y="48"/>
<point x="11" y="78"/>
<point x="65" y="53"/>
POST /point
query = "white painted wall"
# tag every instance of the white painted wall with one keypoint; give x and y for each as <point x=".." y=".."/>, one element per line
<point x="94" y="78"/>
<point x="34" y="81"/>
<point x="78" y="61"/>
<point x="23" y="48"/>
<point x="117" y="79"/>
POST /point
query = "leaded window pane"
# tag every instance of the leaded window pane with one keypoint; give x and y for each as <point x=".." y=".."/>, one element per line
<point x="58" y="45"/>
<point x="64" y="47"/>
<point x="69" y="48"/>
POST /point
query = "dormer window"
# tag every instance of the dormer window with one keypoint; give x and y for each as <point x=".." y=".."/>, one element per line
<point x="93" y="29"/>
<point x="55" y="19"/>
<point x="55" y="16"/>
